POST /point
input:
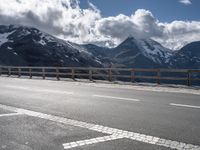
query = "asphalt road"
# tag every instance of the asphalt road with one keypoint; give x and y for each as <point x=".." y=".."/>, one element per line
<point x="57" y="115"/>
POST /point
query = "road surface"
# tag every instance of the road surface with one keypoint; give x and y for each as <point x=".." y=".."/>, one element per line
<point x="58" y="115"/>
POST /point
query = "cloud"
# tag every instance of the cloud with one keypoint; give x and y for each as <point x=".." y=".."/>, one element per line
<point x="185" y="2"/>
<point x="179" y="33"/>
<point x="58" y="17"/>
<point x="142" y="24"/>
<point x="65" y="19"/>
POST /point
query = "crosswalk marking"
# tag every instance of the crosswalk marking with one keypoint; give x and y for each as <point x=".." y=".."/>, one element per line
<point x="112" y="132"/>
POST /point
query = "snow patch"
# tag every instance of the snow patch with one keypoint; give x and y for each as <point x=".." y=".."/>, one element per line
<point x="44" y="38"/>
<point x="155" y="51"/>
<point x="23" y="33"/>
<point x="47" y="37"/>
<point x="4" y="37"/>
<point x="76" y="60"/>
<point x="79" y="48"/>
<point x="98" y="61"/>
<point x="10" y="48"/>
<point x="42" y="42"/>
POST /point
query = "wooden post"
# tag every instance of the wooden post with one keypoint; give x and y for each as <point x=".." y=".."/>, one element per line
<point x="158" y="76"/>
<point x="0" y="71"/>
<point x="73" y="74"/>
<point x="57" y="73"/>
<point x="30" y="73"/>
<point x="189" y="78"/>
<point x="43" y="73"/>
<point x="90" y="75"/>
<point x="9" y="71"/>
<point x="19" y="72"/>
<point x="110" y="75"/>
<point x="132" y="75"/>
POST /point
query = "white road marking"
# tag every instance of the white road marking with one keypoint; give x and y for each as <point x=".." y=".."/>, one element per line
<point x="56" y="91"/>
<point x="182" y="105"/>
<point x="39" y="90"/>
<point x="120" y="98"/>
<point x="17" y="87"/>
<point x="107" y="130"/>
<point x="10" y="114"/>
<point x="92" y="141"/>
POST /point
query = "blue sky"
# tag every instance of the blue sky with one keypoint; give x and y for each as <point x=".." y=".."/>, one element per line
<point x="170" y="22"/>
<point x="164" y="10"/>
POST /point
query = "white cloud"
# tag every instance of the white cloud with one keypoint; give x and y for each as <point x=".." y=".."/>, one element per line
<point x="65" y="19"/>
<point x="179" y="33"/>
<point x="185" y="2"/>
<point x="142" y="24"/>
<point x="58" y="17"/>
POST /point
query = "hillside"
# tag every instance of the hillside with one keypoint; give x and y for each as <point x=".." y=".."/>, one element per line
<point x="27" y="46"/>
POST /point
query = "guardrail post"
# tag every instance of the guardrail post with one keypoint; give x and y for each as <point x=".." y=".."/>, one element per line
<point x="90" y="75"/>
<point x="57" y="73"/>
<point x="110" y="75"/>
<point x="189" y="78"/>
<point x="0" y="70"/>
<point x="132" y="75"/>
<point x="158" y="76"/>
<point x="43" y="73"/>
<point x="19" y="72"/>
<point x="73" y="74"/>
<point x="30" y="73"/>
<point x="9" y="71"/>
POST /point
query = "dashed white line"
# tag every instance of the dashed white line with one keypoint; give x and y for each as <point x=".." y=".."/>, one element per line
<point x="39" y="90"/>
<point x="17" y="87"/>
<point x="183" y="105"/>
<point x="56" y="91"/>
<point x="10" y="114"/>
<point x="113" y="132"/>
<point x="119" y="98"/>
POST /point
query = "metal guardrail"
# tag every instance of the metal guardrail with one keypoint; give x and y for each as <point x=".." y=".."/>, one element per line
<point x="105" y="73"/>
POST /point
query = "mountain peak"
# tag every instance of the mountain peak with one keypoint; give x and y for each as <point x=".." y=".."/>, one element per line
<point x="128" y="42"/>
<point x="129" y="39"/>
<point x="22" y="45"/>
<point x="191" y="48"/>
<point x="146" y="47"/>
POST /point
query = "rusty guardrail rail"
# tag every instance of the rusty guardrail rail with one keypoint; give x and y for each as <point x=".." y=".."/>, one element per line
<point x="109" y="74"/>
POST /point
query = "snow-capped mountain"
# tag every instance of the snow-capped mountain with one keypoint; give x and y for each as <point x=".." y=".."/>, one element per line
<point x="187" y="57"/>
<point x="147" y="47"/>
<point x="145" y="53"/>
<point x="155" y="51"/>
<point x="20" y="45"/>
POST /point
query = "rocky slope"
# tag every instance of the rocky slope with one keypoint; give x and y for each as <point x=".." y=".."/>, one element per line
<point x="20" y="45"/>
<point x="187" y="57"/>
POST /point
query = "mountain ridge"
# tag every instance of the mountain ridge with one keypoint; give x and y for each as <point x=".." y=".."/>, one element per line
<point x="21" y="45"/>
<point x="30" y="46"/>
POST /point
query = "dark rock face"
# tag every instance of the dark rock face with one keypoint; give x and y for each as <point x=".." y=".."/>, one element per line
<point x="187" y="57"/>
<point x="26" y="46"/>
<point x="29" y="46"/>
